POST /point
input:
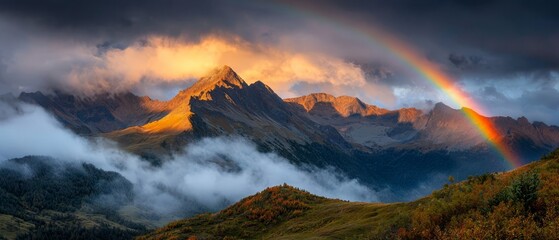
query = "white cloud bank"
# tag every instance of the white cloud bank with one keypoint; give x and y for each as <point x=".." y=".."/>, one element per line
<point x="210" y="174"/>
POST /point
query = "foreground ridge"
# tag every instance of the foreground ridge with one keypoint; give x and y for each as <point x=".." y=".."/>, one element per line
<point x="517" y="204"/>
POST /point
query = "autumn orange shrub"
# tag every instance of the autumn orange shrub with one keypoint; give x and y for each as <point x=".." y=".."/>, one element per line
<point x="523" y="204"/>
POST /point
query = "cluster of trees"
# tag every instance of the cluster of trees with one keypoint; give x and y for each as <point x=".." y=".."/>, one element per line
<point x="523" y="204"/>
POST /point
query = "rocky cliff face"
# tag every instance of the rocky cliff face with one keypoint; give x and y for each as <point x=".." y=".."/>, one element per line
<point x="327" y="105"/>
<point x="358" y="122"/>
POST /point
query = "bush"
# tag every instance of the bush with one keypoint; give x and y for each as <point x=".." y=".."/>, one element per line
<point x="523" y="190"/>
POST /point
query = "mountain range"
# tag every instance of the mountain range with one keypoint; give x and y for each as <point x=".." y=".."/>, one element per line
<point x="385" y="149"/>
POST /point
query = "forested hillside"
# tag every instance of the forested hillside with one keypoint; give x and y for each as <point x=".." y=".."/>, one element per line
<point x="41" y="198"/>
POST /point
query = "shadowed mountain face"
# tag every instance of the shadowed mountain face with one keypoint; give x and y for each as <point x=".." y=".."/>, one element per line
<point x="100" y="113"/>
<point x="358" y="122"/>
<point x="386" y="149"/>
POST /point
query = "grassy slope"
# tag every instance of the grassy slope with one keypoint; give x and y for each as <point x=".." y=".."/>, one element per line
<point x="522" y="204"/>
<point x="11" y="226"/>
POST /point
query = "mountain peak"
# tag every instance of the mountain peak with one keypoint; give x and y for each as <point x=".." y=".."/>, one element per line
<point x="441" y="106"/>
<point x="205" y="89"/>
<point x="343" y="105"/>
<point x="223" y="76"/>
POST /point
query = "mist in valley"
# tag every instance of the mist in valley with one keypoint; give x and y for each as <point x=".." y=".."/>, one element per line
<point x="207" y="176"/>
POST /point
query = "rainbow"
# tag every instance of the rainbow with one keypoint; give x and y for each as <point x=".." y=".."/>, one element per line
<point x="413" y="59"/>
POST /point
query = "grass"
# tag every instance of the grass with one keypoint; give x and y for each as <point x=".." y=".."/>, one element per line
<point x="11" y="226"/>
<point x="342" y="220"/>
<point x="314" y="218"/>
<point x="520" y="204"/>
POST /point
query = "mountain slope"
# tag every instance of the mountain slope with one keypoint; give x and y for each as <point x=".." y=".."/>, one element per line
<point x="358" y="122"/>
<point x="251" y="215"/>
<point x="521" y="204"/>
<point x="99" y="113"/>
<point x="178" y="119"/>
<point x="345" y="106"/>
<point x="42" y="198"/>
<point x="223" y="104"/>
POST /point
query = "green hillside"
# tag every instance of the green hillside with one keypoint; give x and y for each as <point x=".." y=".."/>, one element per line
<point x="521" y="204"/>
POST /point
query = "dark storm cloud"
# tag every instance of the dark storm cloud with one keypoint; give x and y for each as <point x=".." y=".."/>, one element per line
<point x="522" y="33"/>
<point x="122" y="20"/>
<point x="465" y="62"/>
<point x="517" y="35"/>
<point x="491" y="93"/>
<point x="108" y="16"/>
<point x="538" y="103"/>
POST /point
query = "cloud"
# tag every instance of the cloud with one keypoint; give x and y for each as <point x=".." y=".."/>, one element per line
<point x="465" y="62"/>
<point x="491" y="93"/>
<point x="211" y="174"/>
<point x="156" y="63"/>
<point x="538" y="102"/>
<point x="122" y="18"/>
<point x="468" y="28"/>
<point x="167" y="59"/>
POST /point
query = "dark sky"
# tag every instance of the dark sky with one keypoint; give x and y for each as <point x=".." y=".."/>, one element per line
<point x="505" y="54"/>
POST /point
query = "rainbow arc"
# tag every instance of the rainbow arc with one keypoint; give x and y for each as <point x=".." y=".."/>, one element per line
<point x="429" y="71"/>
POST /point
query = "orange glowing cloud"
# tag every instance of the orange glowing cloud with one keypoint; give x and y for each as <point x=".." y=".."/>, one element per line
<point x="172" y="60"/>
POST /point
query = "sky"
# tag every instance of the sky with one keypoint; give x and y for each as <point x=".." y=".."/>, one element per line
<point x="503" y="54"/>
